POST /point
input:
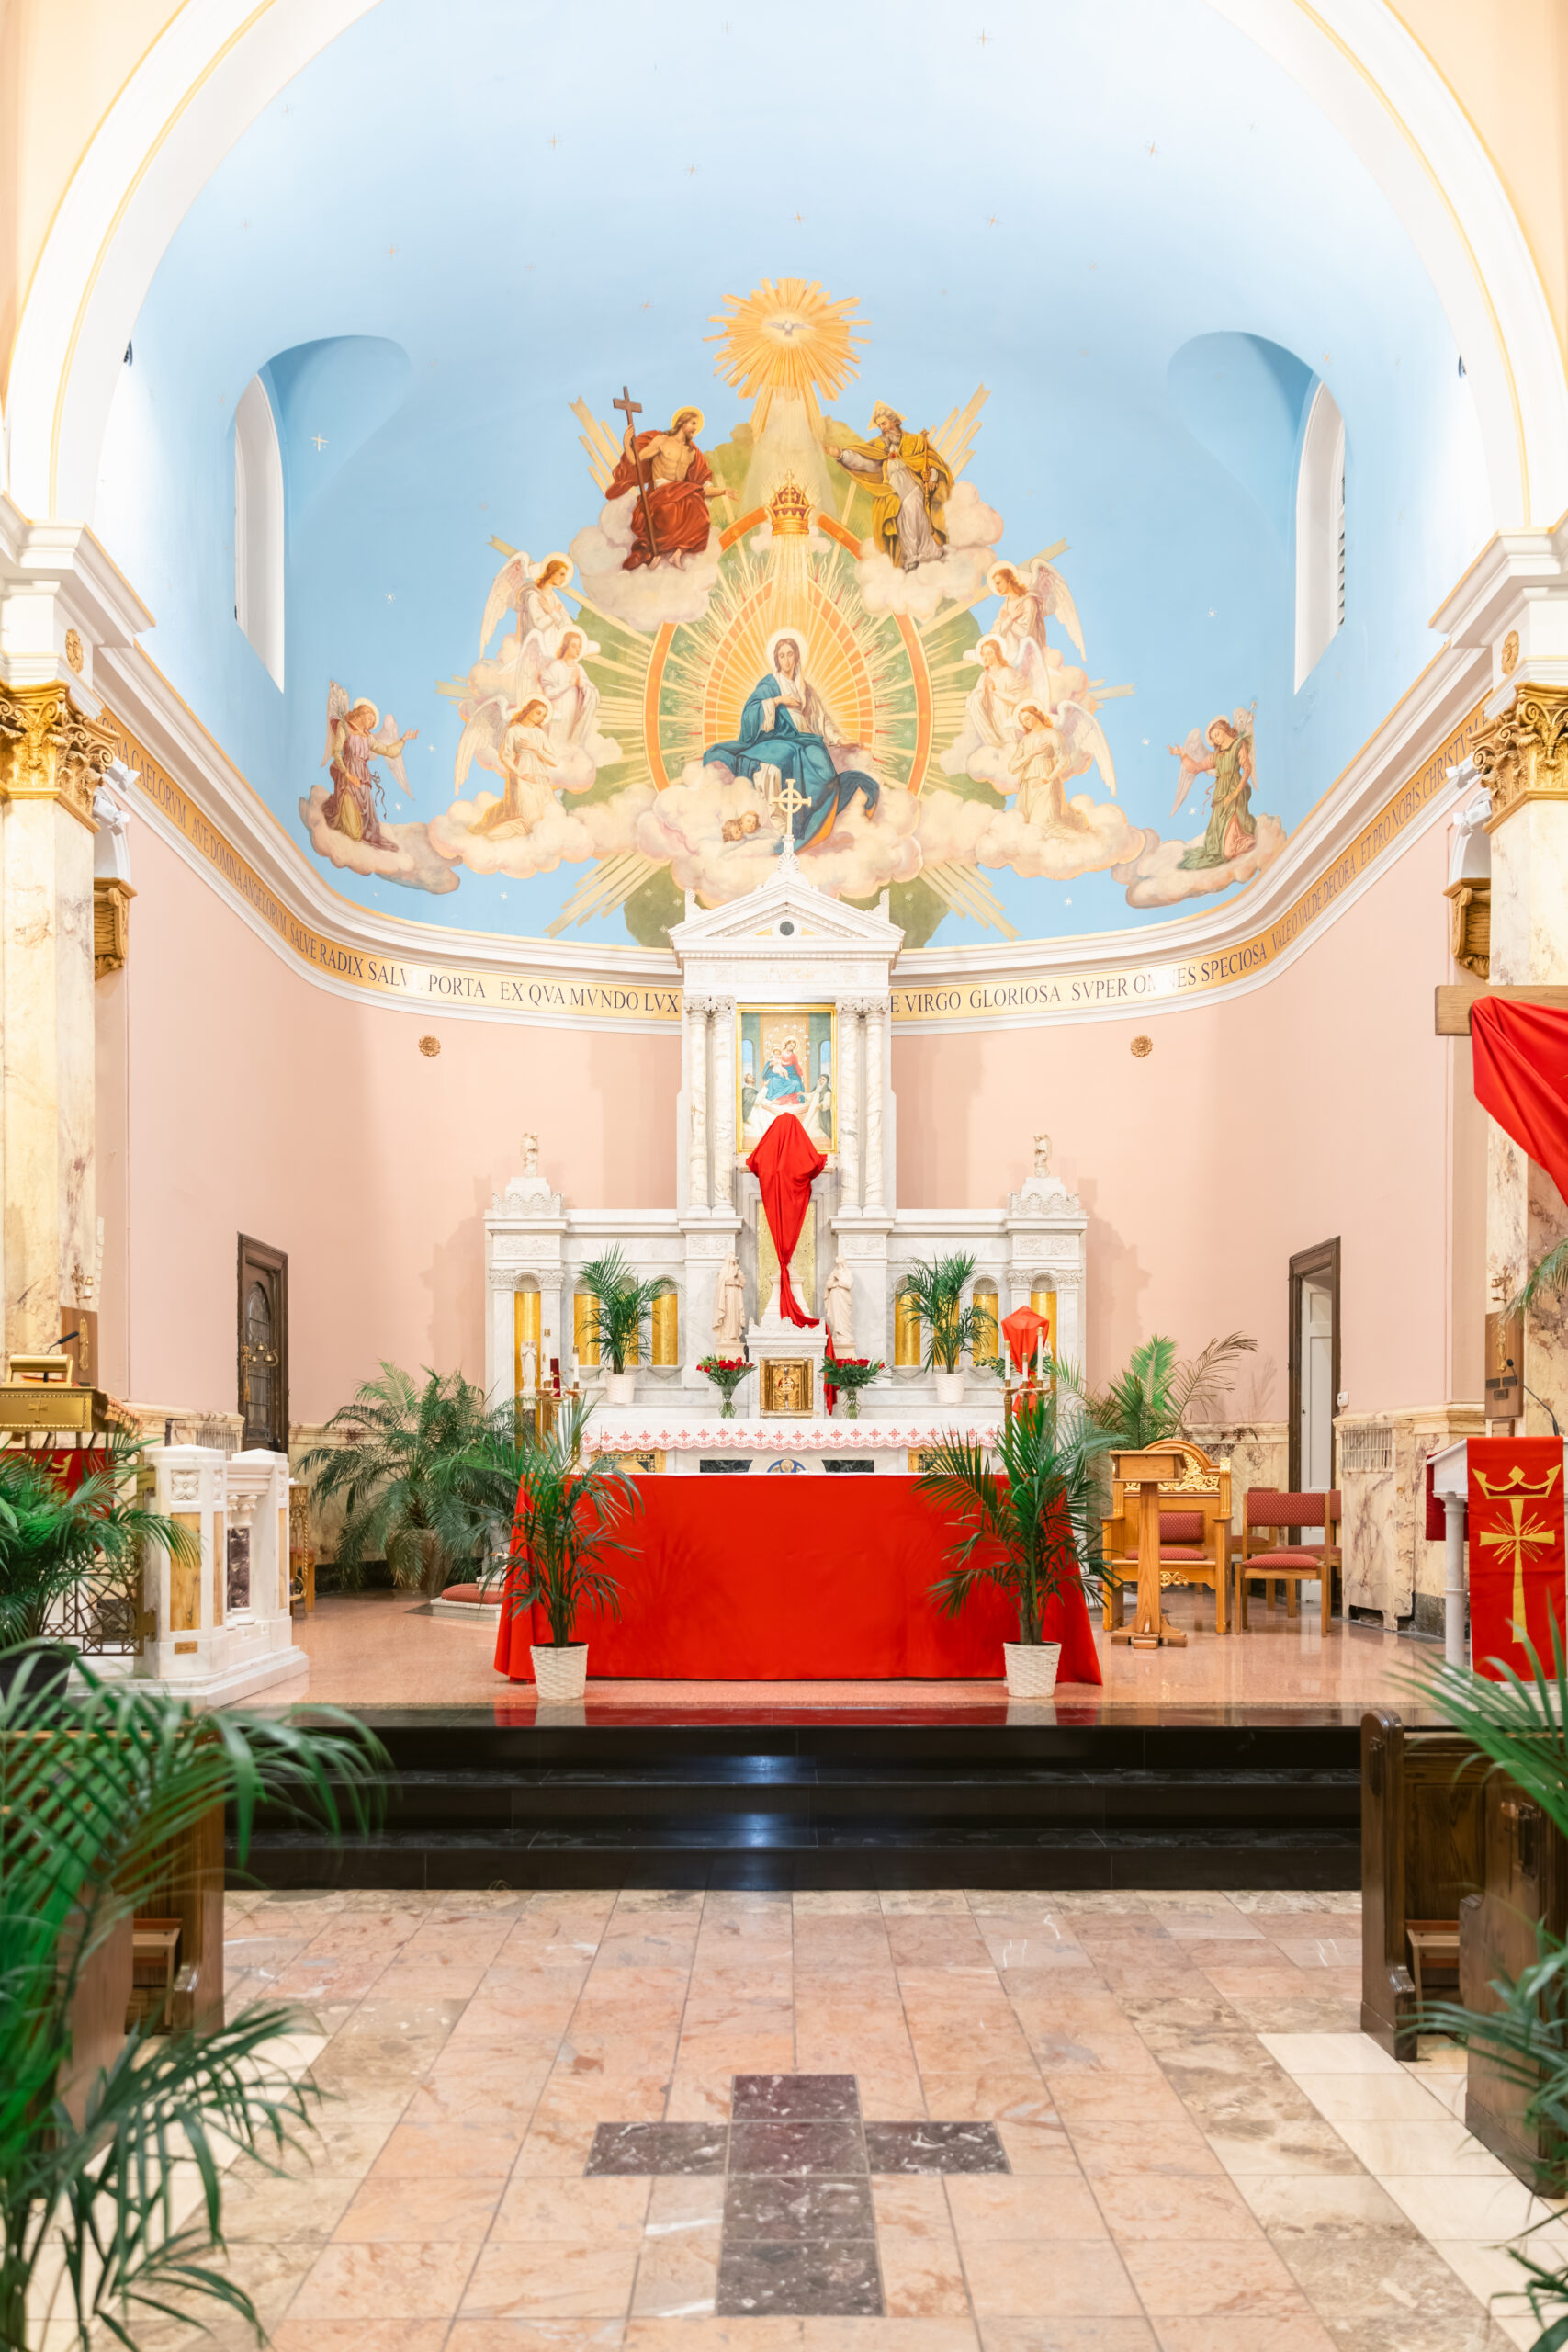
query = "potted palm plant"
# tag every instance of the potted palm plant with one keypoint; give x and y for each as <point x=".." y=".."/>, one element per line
<point x="95" y="1812"/>
<point x="1159" y="1394"/>
<point x="564" y="1530"/>
<point x="52" y="1539"/>
<point x="1031" y="1530"/>
<point x="935" y="1293"/>
<point x="621" y="1309"/>
<point x="391" y="1469"/>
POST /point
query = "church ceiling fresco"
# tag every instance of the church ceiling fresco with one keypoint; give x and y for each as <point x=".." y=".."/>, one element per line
<point x="818" y="620"/>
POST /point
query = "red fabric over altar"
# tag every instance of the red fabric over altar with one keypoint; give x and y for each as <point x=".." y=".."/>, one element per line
<point x="784" y="1164"/>
<point x="759" y="1578"/>
<point x="1023" y="1331"/>
<point x="1519" y="1054"/>
<point x="1515" y="1548"/>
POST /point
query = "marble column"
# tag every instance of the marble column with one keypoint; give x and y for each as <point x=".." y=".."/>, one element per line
<point x="53" y="760"/>
<point x="697" y="1102"/>
<point x="1522" y="761"/>
<point x="723" y="1194"/>
<point x="875" y="1056"/>
<point x="848" y="1084"/>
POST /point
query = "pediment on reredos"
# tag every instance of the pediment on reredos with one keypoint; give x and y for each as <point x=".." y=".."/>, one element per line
<point x="817" y="922"/>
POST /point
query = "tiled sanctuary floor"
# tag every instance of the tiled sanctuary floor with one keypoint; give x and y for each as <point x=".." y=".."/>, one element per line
<point x="383" y="1648"/>
<point x="1201" y="2153"/>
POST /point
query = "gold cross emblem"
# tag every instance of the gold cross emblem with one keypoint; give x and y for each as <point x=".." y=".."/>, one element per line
<point x="1517" y="1539"/>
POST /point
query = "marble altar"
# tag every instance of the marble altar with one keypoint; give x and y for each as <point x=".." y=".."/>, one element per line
<point x="786" y="1002"/>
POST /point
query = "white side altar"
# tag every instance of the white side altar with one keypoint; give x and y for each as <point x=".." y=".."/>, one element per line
<point x="788" y="987"/>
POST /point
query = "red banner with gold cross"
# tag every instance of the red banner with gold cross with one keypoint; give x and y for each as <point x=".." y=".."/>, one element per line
<point x="1517" y="1557"/>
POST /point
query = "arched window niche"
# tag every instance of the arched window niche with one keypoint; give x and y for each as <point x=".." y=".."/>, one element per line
<point x="258" y="526"/>
<point x="1320" y="534"/>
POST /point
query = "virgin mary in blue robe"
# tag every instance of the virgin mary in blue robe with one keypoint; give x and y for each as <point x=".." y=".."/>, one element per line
<point x="782" y="726"/>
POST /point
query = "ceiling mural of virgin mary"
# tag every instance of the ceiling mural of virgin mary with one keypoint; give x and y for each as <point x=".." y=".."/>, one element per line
<point x="673" y="513"/>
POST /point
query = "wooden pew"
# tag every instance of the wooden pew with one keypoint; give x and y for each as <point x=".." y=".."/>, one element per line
<point x="1526" y="1884"/>
<point x="1422" y="1853"/>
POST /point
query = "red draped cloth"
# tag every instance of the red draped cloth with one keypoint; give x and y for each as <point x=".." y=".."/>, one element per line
<point x="1023" y="1330"/>
<point x="769" y="1579"/>
<point x="1516" y="1551"/>
<point x="784" y="1164"/>
<point x="1520" y="1056"/>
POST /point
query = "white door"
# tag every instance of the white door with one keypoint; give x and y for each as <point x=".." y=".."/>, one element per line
<point x="1314" y="1343"/>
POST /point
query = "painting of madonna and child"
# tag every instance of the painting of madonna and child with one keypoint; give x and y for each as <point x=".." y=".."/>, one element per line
<point x="785" y="1063"/>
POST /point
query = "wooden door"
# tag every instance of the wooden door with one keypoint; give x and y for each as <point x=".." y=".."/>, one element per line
<point x="264" y="1345"/>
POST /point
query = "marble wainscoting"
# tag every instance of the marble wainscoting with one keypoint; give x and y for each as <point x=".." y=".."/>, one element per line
<point x="1258" y="1453"/>
<point x="1390" y="1567"/>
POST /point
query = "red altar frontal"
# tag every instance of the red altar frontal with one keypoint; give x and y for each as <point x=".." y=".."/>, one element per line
<point x="792" y="1580"/>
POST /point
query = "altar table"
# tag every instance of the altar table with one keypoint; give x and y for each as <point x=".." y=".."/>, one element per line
<point x="804" y="1579"/>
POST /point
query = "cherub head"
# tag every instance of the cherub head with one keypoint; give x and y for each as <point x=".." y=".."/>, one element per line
<point x="1222" y="734"/>
<point x="739" y="829"/>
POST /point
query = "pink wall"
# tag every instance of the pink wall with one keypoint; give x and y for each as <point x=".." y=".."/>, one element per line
<point x="248" y="1100"/>
<point x="1318" y="1105"/>
<point x="235" y="1096"/>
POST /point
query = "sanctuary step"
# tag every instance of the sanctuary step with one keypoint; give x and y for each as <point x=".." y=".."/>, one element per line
<point x="826" y="1802"/>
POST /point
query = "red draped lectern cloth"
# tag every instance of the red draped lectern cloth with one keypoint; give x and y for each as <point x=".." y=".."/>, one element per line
<point x="784" y="1164"/>
<point x="786" y="1580"/>
<point x="1516" y="1567"/>
<point x="1023" y="1331"/>
<point x="1519" y="1055"/>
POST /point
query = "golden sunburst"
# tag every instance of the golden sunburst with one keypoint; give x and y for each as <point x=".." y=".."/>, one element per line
<point x="789" y="337"/>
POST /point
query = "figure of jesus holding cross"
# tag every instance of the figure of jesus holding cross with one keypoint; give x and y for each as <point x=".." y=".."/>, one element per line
<point x="674" y="484"/>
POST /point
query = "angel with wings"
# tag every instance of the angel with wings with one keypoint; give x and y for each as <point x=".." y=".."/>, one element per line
<point x="1225" y="750"/>
<point x="534" y="597"/>
<point x="1032" y="594"/>
<point x="1052" y="748"/>
<point x="357" y="734"/>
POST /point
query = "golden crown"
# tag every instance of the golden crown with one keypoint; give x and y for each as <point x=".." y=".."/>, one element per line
<point x="789" y="509"/>
<point x="1516" y="1483"/>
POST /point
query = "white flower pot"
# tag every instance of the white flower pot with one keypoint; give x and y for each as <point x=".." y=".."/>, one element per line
<point x="560" y="1676"/>
<point x="1031" y="1669"/>
<point x="620" y="1388"/>
<point x="950" y="1389"/>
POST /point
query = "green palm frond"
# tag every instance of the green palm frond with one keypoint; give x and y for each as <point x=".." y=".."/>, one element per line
<point x="1159" y="1394"/>
<point x="90" y="1800"/>
<point x="621" y="1309"/>
<point x="50" y="1539"/>
<point x="1551" y="1275"/>
<point x="1030" y="1528"/>
<point x="564" y="1528"/>
<point x="390" y="1472"/>
<point x="934" y="1291"/>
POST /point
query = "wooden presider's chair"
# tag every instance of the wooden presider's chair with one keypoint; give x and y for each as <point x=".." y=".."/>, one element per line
<point x="1194" y="1533"/>
<point x="1267" y="1516"/>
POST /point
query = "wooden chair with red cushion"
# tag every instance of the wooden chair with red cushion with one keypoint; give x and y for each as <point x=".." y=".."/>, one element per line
<point x="1268" y="1515"/>
<point x="1194" y="1534"/>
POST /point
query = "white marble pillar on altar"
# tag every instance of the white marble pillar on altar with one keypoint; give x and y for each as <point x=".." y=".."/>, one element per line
<point x="722" y="1194"/>
<point x="1522" y="761"/>
<point x="848" y="1084"/>
<point x="875" y="1103"/>
<point x="696" y="1019"/>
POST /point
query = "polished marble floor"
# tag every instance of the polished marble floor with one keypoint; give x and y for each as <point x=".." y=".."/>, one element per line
<point x="384" y="1648"/>
<point x="678" y="2122"/>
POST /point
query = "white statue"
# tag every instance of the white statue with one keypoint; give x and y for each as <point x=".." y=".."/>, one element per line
<point x="729" y="1307"/>
<point x="1043" y="1155"/>
<point x="528" y="1369"/>
<point x="838" y="1309"/>
<point x="530" y="1155"/>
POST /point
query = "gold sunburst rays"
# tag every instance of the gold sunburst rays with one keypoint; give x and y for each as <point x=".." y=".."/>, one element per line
<point x="788" y="335"/>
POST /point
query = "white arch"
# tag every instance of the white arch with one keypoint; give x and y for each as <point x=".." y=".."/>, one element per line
<point x="259" y="526"/>
<point x="221" y="62"/>
<point x="1320" y="533"/>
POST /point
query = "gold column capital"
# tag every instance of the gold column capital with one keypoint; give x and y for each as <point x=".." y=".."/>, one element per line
<point x="1523" y="755"/>
<point x="50" y="750"/>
